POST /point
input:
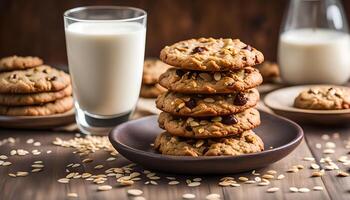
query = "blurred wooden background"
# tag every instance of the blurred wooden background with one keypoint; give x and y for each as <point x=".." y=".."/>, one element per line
<point x="35" y="27"/>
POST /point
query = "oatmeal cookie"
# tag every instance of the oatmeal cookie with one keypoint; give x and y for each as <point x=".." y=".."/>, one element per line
<point x="34" y="98"/>
<point x="152" y="69"/>
<point x="151" y="91"/>
<point x="39" y="79"/>
<point x="209" y="54"/>
<point x="244" y="143"/>
<point x="324" y="98"/>
<point x="177" y="80"/>
<point x="219" y="126"/>
<point x="56" y="107"/>
<point x="17" y="62"/>
<point x="197" y="105"/>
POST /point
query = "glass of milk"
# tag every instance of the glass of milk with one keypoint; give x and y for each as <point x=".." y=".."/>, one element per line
<point x="105" y="48"/>
<point x="314" y="43"/>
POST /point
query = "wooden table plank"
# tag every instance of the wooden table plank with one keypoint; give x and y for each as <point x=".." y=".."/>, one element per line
<point x="338" y="187"/>
<point x="44" y="185"/>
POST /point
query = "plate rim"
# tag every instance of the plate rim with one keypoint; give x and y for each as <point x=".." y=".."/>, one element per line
<point x="300" y="110"/>
<point x="23" y="117"/>
<point x="296" y="141"/>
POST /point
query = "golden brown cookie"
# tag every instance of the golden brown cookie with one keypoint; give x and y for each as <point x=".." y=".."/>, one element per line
<point x="152" y="69"/>
<point x="196" y="105"/>
<point x="34" y="98"/>
<point x="151" y="91"/>
<point x="38" y="79"/>
<point x="209" y="54"/>
<point x="244" y="143"/>
<point x="324" y="98"/>
<point x="209" y="127"/>
<point x="56" y="107"/>
<point x="18" y="62"/>
<point x="198" y="82"/>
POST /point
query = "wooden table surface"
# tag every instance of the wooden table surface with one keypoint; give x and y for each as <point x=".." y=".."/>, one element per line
<point x="43" y="185"/>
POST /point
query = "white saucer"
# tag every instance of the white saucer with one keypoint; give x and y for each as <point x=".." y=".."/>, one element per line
<point x="281" y="102"/>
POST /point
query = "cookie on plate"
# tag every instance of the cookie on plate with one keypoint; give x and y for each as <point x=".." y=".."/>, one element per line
<point x="55" y="107"/>
<point x="209" y="54"/>
<point x="33" y="98"/>
<point x="196" y="105"/>
<point x="246" y="142"/>
<point x="151" y="91"/>
<point x="17" y="62"/>
<point x="324" y="98"/>
<point x="39" y="79"/>
<point x="198" y="82"/>
<point x="206" y="127"/>
<point x="152" y="69"/>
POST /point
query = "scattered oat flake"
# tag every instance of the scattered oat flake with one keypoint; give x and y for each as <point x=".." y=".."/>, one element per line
<point x="213" y="196"/>
<point x="263" y="183"/>
<point x="72" y="195"/>
<point x="36" y="144"/>
<point x="314" y="166"/>
<point x="235" y="184"/>
<point x="153" y="183"/>
<point x="188" y="196"/>
<point x="343" y="174"/>
<point x="197" y="179"/>
<point x="12" y="175"/>
<point x="135" y="192"/>
<point x="7" y="163"/>
<point x="272" y="190"/>
<point x="309" y="159"/>
<point x="293" y="189"/>
<point x="194" y="184"/>
<point x="36" y="170"/>
<point x="48" y="151"/>
<point x="21" y="174"/>
<point x="325" y="137"/>
<point x="104" y="187"/>
<point x="280" y="177"/>
<point x="110" y="159"/>
<point x="318" y="188"/>
<point x="242" y="178"/>
<point x="173" y="182"/>
<point x="304" y="190"/>
<point x="3" y="157"/>
<point x="328" y="151"/>
<point x="63" y="180"/>
<point x="272" y="172"/>
<point x="30" y="141"/>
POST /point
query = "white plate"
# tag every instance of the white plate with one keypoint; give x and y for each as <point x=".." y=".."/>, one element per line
<point x="37" y="122"/>
<point x="281" y="102"/>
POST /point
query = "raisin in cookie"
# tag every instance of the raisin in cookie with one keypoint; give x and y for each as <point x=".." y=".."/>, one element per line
<point x="39" y="79"/>
<point x="196" y="105"/>
<point x="324" y="98"/>
<point x="177" y="80"/>
<point x="244" y="143"/>
<point x="219" y="126"/>
<point x="151" y="91"/>
<point x="209" y="54"/>
<point x="56" y="107"/>
<point x="34" y="98"/>
<point x="18" y="62"/>
<point x="152" y="69"/>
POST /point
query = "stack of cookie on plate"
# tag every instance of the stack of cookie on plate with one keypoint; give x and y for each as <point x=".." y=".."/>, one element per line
<point x="209" y="107"/>
<point x="29" y="88"/>
<point x="152" y="69"/>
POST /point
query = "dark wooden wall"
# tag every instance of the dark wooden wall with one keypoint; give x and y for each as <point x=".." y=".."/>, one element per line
<point x="35" y="27"/>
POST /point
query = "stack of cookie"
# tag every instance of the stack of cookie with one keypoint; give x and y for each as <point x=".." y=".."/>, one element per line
<point x="209" y="108"/>
<point x="152" y="69"/>
<point x="29" y="88"/>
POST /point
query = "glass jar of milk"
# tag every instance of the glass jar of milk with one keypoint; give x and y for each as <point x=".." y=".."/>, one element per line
<point x="314" y="44"/>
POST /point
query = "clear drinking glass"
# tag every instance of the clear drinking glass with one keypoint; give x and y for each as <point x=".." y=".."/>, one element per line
<point x="314" y="44"/>
<point x="105" y="49"/>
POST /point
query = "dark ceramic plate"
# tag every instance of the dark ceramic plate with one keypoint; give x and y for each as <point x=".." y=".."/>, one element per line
<point x="132" y="139"/>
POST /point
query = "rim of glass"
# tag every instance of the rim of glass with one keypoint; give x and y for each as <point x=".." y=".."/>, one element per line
<point x="78" y="9"/>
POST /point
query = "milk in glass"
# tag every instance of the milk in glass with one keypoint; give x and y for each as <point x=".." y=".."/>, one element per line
<point x="314" y="56"/>
<point x="106" y="62"/>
